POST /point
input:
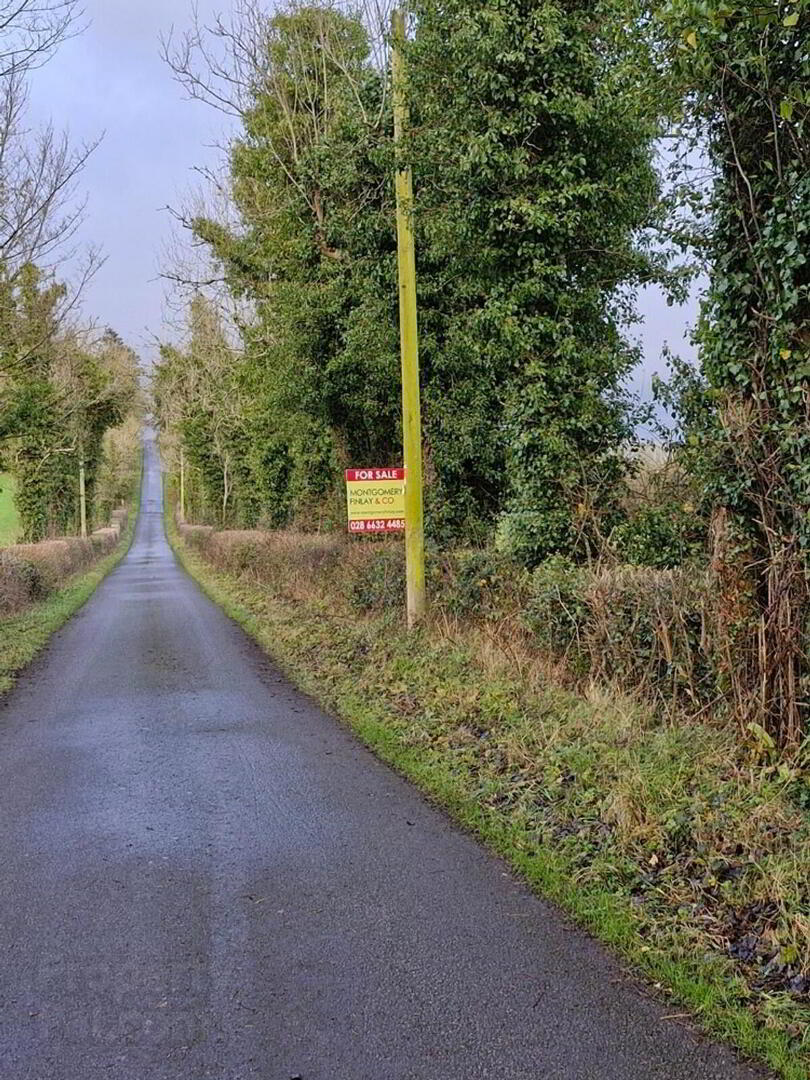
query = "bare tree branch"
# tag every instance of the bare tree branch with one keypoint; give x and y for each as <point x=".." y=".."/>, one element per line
<point x="40" y="211"/>
<point x="31" y="30"/>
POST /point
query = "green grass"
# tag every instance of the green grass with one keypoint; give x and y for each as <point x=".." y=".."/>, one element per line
<point x="9" y="518"/>
<point x="550" y="770"/>
<point x="23" y="636"/>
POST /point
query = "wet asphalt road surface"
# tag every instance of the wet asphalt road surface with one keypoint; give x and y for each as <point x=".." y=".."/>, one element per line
<point x="203" y="875"/>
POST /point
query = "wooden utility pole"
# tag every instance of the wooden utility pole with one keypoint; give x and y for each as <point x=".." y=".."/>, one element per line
<point x="411" y="398"/>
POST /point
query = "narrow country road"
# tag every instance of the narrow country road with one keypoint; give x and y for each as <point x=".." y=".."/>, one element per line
<point x="203" y="875"/>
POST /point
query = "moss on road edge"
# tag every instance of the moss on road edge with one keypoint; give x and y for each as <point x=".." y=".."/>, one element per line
<point x="314" y="649"/>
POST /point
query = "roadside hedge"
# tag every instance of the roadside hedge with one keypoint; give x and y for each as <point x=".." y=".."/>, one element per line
<point x="29" y="573"/>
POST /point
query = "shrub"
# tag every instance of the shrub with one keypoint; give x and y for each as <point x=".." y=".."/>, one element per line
<point x="662" y="537"/>
<point x="641" y="629"/>
<point x="29" y="572"/>
<point x="236" y="550"/>
<point x="376" y="577"/>
<point x="661" y="635"/>
<point x="103" y="540"/>
<point x="476" y="582"/>
<point x="195" y="535"/>
<point x="645" y="633"/>
<point x="557" y="611"/>
<point x="57" y="559"/>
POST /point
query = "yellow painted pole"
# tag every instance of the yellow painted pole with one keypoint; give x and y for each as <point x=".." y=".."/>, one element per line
<point x="182" y="485"/>
<point x="82" y="499"/>
<point x="411" y="405"/>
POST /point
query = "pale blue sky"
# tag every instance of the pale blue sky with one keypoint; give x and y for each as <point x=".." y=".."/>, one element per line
<point x="111" y="80"/>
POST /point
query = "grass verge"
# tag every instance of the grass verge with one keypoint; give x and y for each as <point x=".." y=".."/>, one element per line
<point x="600" y="808"/>
<point x="23" y="636"/>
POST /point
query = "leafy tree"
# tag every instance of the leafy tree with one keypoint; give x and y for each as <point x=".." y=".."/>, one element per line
<point x="95" y="389"/>
<point x="199" y="401"/>
<point x="314" y="252"/>
<point x="39" y="215"/>
<point x="534" y="168"/>
<point x="58" y="396"/>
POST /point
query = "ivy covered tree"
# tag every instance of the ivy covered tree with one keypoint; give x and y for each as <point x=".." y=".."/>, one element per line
<point x="743" y="73"/>
<point x="313" y="250"/>
<point x="535" y="185"/>
<point x="58" y="394"/>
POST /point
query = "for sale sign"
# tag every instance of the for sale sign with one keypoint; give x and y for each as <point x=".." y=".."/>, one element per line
<point x="376" y="500"/>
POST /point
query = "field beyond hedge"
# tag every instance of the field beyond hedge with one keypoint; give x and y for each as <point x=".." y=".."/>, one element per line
<point x="683" y="848"/>
<point x="9" y="518"/>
